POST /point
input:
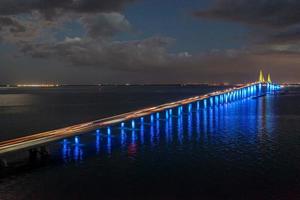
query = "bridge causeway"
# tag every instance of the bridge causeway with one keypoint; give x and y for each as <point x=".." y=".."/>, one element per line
<point x="206" y="101"/>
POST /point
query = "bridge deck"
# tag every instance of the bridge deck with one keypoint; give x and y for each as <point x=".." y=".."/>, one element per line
<point x="50" y="136"/>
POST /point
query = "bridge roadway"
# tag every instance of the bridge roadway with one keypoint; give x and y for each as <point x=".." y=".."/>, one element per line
<point x="54" y="135"/>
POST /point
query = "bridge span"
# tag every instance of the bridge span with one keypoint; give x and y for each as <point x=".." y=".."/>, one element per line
<point x="206" y="101"/>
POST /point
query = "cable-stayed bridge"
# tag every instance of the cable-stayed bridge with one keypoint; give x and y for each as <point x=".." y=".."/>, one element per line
<point x="147" y="115"/>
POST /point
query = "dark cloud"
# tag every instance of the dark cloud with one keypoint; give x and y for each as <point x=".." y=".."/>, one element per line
<point x="130" y="55"/>
<point x="272" y="13"/>
<point x="52" y="7"/>
<point x="105" y="24"/>
<point x="12" y="25"/>
<point x="274" y="24"/>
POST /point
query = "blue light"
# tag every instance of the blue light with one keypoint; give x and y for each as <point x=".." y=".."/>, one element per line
<point x="142" y="133"/>
<point x="98" y="142"/>
<point x="108" y="145"/>
<point x="198" y="105"/>
<point x="108" y="131"/>
<point x="76" y="139"/>
<point x="205" y="103"/>
<point x="133" y="124"/>
<point x="167" y="114"/>
<point x="190" y="107"/>
<point x="170" y="111"/>
<point x="123" y="138"/>
<point x="122" y="125"/>
<point x="142" y="119"/>
<point x="211" y="100"/>
<point x="97" y="131"/>
<point x="217" y="100"/>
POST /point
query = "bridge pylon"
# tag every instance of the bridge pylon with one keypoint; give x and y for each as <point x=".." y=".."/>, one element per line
<point x="269" y="78"/>
<point x="261" y="77"/>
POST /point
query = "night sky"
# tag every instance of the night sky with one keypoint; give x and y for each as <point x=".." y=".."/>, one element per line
<point x="148" y="41"/>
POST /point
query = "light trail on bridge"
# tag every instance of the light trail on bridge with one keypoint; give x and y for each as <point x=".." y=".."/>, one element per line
<point x="215" y="98"/>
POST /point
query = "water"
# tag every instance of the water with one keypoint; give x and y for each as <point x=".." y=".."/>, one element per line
<point x="244" y="150"/>
<point x="24" y="111"/>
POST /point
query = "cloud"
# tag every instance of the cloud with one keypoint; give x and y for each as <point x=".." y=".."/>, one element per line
<point x="105" y="24"/>
<point x="274" y="24"/>
<point x="129" y="55"/>
<point x="50" y="8"/>
<point x="272" y="13"/>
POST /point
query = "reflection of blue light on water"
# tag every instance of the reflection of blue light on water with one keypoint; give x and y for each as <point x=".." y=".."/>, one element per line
<point x="205" y="121"/>
<point x="167" y="130"/>
<point x="77" y="150"/>
<point x="152" y="135"/>
<point x="190" y="125"/>
<point x="179" y="129"/>
<point x="157" y="115"/>
<point x="157" y="129"/>
<point x="210" y="120"/>
<point x="142" y="133"/>
<point x="171" y="129"/>
<point x="98" y="142"/>
<point x="170" y="112"/>
<point x="123" y="138"/>
<point x="133" y="137"/>
<point x="167" y="114"/>
<point x="108" y="146"/>
<point x="151" y="118"/>
<point x="198" y="105"/>
<point x="190" y="108"/>
<point x="65" y="150"/>
<point x="216" y="117"/>
<point x="132" y="124"/>
<point x="198" y="125"/>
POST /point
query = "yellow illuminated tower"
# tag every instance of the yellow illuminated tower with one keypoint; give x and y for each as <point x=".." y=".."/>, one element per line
<point x="269" y="79"/>
<point x="261" y="77"/>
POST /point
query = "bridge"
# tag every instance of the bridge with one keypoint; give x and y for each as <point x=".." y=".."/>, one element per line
<point x="207" y="101"/>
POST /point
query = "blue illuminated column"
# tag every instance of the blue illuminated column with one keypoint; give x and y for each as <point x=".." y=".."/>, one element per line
<point x="133" y="124"/>
<point x="97" y="141"/>
<point x="108" y="131"/>
<point x="205" y="103"/>
<point x="151" y="118"/>
<point x="198" y="105"/>
<point x="211" y="100"/>
<point x="217" y="100"/>
<point x="76" y="140"/>
<point x="167" y="114"/>
<point x="170" y="112"/>
<point x="190" y="108"/>
<point x="122" y="125"/>
<point x="178" y="111"/>
<point x="157" y="116"/>
<point x="142" y="120"/>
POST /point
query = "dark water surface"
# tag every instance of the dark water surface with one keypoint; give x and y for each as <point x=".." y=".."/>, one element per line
<point x="24" y="111"/>
<point x="248" y="149"/>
